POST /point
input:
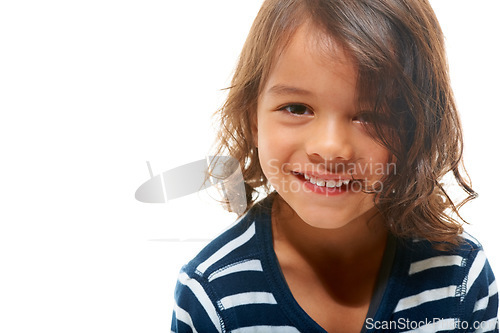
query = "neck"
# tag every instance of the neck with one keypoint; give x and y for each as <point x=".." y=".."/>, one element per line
<point x="360" y="241"/>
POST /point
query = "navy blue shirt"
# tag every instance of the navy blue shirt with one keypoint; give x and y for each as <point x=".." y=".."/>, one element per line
<point x="235" y="284"/>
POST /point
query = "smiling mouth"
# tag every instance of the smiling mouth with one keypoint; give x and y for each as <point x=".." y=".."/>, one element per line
<point x="324" y="183"/>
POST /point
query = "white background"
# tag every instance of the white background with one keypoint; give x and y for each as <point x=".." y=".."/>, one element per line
<point x="91" y="90"/>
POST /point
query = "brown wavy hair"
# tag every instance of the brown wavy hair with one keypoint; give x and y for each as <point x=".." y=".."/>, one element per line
<point x="398" y="47"/>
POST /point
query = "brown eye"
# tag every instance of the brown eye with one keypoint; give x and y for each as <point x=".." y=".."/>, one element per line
<point x="297" y="109"/>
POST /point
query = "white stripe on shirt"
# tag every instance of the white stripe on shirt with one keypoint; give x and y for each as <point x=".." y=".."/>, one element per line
<point x="483" y="302"/>
<point x="226" y="249"/>
<point x="493" y="288"/>
<point x="202" y="297"/>
<point x="434" y="262"/>
<point x="424" y="297"/>
<point x="183" y="315"/>
<point x="475" y="269"/>
<point x="247" y="298"/>
<point x="244" y="266"/>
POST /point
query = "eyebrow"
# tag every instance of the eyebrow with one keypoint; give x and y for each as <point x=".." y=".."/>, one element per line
<point x="281" y="89"/>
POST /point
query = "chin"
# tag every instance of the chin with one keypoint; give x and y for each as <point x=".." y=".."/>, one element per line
<point x="322" y="217"/>
<point x="325" y="221"/>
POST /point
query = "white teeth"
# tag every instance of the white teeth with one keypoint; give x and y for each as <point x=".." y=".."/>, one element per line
<point x="327" y="183"/>
<point x="331" y="183"/>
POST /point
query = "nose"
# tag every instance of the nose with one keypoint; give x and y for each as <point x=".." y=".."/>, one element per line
<point x="330" y="140"/>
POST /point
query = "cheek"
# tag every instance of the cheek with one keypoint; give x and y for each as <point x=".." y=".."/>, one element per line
<point x="270" y="156"/>
<point x="278" y="142"/>
<point x="275" y="150"/>
<point x="380" y="154"/>
<point x="380" y="161"/>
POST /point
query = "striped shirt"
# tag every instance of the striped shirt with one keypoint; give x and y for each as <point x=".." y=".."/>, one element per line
<point x="235" y="284"/>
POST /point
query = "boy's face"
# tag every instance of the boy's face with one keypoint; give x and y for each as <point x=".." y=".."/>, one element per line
<point x="309" y="129"/>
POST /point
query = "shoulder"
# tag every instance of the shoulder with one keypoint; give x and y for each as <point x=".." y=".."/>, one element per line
<point x="232" y="247"/>
<point x="466" y="260"/>
<point x="226" y="273"/>
<point x="456" y="285"/>
<point x="425" y="256"/>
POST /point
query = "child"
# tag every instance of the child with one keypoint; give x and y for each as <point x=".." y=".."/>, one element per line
<point x="345" y="109"/>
